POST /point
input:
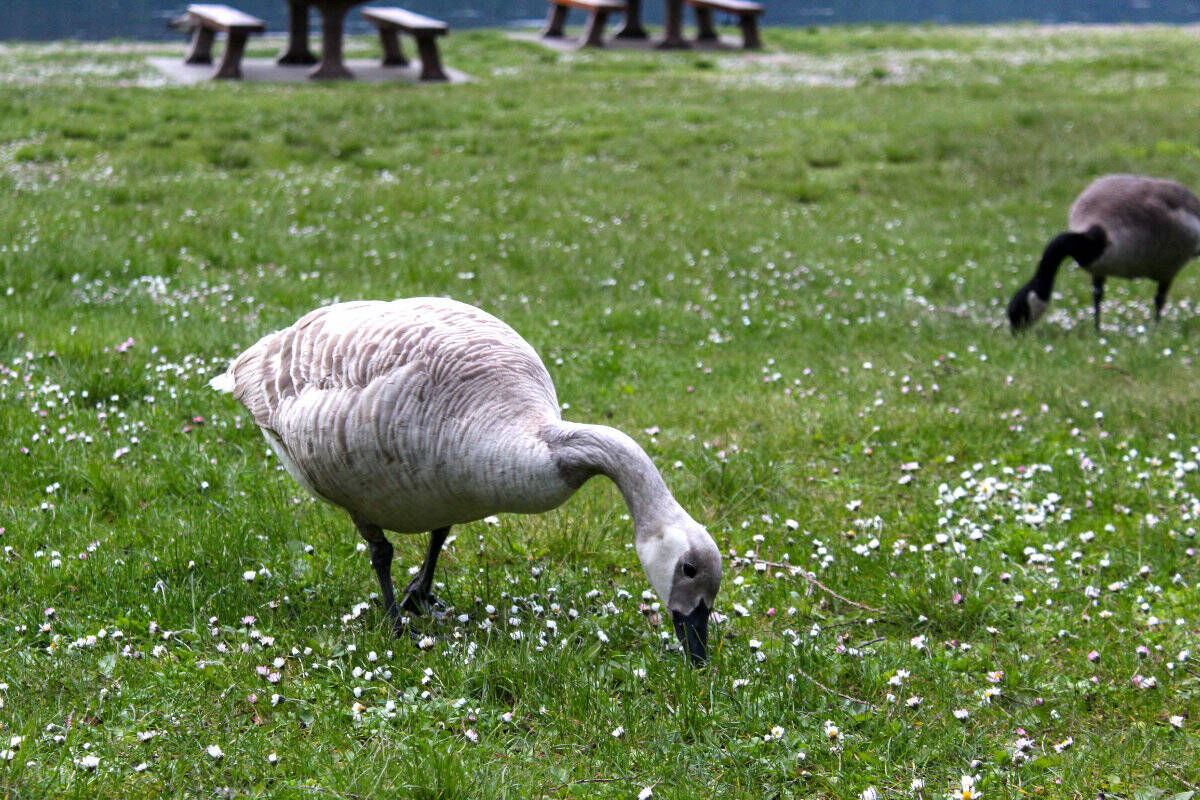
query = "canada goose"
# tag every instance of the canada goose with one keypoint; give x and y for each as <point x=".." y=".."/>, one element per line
<point x="1126" y="226"/>
<point x="423" y="413"/>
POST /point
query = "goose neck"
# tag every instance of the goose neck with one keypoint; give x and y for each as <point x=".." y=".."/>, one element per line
<point x="1085" y="247"/>
<point x="585" y="450"/>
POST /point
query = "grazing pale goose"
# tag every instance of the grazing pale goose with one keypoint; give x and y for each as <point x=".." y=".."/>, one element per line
<point x="1124" y="226"/>
<point x="423" y="413"/>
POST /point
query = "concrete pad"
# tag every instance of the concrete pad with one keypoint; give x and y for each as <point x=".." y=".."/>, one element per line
<point x="265" y="70"/>
<point x="572" y="42"/>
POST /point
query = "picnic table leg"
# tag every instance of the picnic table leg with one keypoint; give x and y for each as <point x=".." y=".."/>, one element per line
<point x="231" y="62"/>
<point x="202" y="42"/>
<point x="431" y="61"/>
<point x="594" y="36"/>
<point x="705" y="32"/>
<point x="750" y="40"/>
<point x="554" y="22"/>
<point x="632" y="27"/>
<point x="331" y="66"/>
<point x="393" y="53"/>
<point x="673" y="28"/>
<point x="297" y="50"/>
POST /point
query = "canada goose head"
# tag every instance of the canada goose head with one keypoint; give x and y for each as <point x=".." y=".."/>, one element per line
<point x="684" y="567"/>
<point x="1031" y="300"/>
<point x="679" y="556"/>
<point x="1026" y="308"/>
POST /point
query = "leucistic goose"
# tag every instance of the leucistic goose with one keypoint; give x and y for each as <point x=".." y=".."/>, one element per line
<point x="423" y="413"/>
<point x="1124" y="226"/>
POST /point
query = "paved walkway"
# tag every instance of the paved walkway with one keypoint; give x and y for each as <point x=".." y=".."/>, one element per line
<point x="266" y="70"/>
<point x="571" y="42"/>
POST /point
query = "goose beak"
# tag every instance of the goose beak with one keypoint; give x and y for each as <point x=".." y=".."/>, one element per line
<point x="692" y="630"/>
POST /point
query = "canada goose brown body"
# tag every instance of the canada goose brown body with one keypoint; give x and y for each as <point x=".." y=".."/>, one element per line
<point x="1124" y="226"/>
<point x="1152" y="226"/>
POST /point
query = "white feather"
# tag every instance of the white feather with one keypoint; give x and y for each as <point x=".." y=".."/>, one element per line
<point x="1037" y="306"/>
<point x="659" y="554"/>
<point x="223" y="383"/>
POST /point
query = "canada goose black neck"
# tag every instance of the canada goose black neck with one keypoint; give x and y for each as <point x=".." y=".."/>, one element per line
<point x="1084" y="247"/>
<point x="1031" y="300"/>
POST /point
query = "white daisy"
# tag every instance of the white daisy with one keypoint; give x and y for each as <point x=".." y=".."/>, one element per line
<point x="967" y="790"/>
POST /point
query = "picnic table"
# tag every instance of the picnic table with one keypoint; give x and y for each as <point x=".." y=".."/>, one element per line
<point x="333" y="22"/>
<point x="206" y="20"/>
<point x="672" y="24"/>
<point x="747" y="12"/>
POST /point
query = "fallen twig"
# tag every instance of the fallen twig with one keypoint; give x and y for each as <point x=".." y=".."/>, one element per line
<point x="846" y="624"/>
<point x="322" y="790"/>
<point x="808" y="577"/>
<point x="1187" y="783"/>
<point x="833" y="691"/>
<point x="589" y="780"/>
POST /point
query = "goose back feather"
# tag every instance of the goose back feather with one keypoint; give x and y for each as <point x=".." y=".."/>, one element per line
<point x="1152" y="225"/>
<point x="413" y="415"/>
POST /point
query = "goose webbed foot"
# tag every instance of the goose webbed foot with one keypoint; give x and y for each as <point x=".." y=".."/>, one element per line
<point x="403" y="629"/>
<point x="420" y="600"/>
<point x="418" y="597"/>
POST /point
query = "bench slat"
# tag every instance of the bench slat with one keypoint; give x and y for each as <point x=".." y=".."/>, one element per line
<point x="732" y="6"/>
<point x="405" y="19"/>
<point x="225" y="17"/>
<point x="610" y="5"/>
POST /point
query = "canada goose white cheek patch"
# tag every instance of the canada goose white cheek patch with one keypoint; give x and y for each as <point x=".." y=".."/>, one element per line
<point x="659" y="555"/>
<point x="1037" y="307"/>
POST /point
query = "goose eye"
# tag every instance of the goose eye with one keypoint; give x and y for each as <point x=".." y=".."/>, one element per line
<point x="689" y="570"/>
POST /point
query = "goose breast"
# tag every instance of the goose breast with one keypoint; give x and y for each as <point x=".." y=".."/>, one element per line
<point x="413" y="414"/>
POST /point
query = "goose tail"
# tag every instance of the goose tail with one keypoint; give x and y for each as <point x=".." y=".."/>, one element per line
<point x="223" y="382"/>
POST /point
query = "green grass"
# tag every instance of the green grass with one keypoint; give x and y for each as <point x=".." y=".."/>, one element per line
<point x="793" y="266"/>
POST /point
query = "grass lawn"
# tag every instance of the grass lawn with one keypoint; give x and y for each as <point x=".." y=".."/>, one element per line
<point x="784" y="275"/>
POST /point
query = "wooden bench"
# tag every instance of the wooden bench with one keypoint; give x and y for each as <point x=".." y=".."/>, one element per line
<point x="598" y="10"/>
<point x="209" y="19"/>
<point x="391" y="22"/>
<point x="747" y="13"/>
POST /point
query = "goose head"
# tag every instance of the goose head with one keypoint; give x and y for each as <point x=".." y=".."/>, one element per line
<point x="1026" y="308"/>
<point x="684" y="567"/>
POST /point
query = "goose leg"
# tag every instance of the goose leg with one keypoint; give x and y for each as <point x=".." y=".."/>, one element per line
<point x="418" y="597"/>
<point x="1160" y="297"/>
<point x="1097" y="296"/>
<point x="381" y="561"/>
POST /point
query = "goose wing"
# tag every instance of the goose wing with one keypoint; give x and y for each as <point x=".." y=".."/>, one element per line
<point x="1153" y="225"/>
<point x="409" y="413"/>
<point x="472" y="358"/>
<point x="1182" y="210"/>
